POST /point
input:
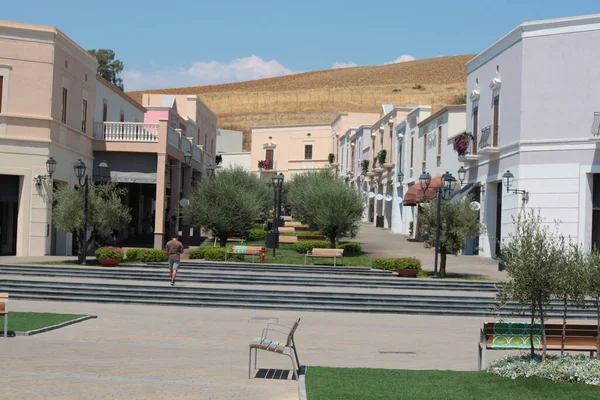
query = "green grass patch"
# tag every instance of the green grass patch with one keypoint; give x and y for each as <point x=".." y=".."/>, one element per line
<point x="28" y="321"/>
<point x="323" y="383"/>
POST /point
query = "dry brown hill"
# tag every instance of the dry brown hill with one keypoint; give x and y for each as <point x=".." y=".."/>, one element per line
<point x="316" y="97"/>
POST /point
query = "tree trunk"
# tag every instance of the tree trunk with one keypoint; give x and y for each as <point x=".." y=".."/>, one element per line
<point x="223" y="240"/>
<point x="531" y="328"/>
<point x="543" y="328"/>
<point x="332" y="242"/>
<point x="564" y="327"/>
<point x="443" y="257"/>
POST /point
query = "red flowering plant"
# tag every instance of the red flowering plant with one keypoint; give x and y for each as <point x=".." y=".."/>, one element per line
<point x="264" y="164"/>
<point x="461" y="143"/>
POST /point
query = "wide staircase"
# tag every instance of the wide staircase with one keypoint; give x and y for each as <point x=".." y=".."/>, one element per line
<point x="266" y="286"/>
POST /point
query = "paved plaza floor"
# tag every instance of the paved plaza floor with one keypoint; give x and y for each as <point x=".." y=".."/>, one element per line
<point x="154" y="352"/>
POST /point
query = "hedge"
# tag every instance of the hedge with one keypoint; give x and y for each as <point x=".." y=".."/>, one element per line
<point x="146" y="255"/>
<point x="214" y="254"/>
<point x="109" y="253"/>
<point x="393" y="264"/>
<point x="303" y="247"/>
<point x="350" y="247"/>
<point x="257" y="234"/>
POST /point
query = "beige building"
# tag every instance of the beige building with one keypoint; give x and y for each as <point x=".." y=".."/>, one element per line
<point x="293" y="149"/>
<point x="47" y="101"/>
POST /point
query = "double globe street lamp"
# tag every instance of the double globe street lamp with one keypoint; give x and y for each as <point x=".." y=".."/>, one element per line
<point x="80" y="172"/>
<point x="443" y="192"/>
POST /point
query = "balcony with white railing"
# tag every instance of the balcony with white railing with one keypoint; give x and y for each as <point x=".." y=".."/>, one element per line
<point x="488" y="140"/>
<point x="126" y="132"/>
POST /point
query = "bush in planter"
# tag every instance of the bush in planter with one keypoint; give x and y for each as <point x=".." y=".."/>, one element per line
<point x="350" y="247"/>
<point x="303" y="247"/>
<point x="257" y="234"/>
<point x="407" y="263"/>
<point x="109" y="253"/>
<point x="381" y="157"/>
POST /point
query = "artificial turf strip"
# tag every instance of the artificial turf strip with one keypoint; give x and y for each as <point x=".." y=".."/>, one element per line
<point x="28" y="321"/>
<point x="323" y="383"/>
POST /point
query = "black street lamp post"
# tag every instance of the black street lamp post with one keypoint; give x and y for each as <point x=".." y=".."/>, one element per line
<point x="442" y="193"/>
<point x="79" y="167"/>
<point x="277" y="181"/>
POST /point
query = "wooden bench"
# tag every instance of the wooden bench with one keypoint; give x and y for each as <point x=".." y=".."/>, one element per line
<point x="245" y="250"/>
<point x="4" y="311"/>
<point x="516" y="336"/>
<point x="286" y="347"/>
<point x="240" y="239"/>
<point x="325" y="253"/>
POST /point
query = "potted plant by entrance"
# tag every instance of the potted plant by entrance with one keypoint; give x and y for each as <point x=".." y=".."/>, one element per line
<point x="109" y="256"/>
<point x="407" y="267"/>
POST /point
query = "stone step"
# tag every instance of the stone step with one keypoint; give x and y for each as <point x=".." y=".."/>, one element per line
<point x="390" y="282"/>
<point x="282" y="300"/>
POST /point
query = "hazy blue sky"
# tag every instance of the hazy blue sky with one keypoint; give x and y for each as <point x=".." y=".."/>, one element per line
<point x="197" y="42"/>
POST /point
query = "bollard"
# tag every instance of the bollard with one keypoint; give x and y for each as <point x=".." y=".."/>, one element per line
<point x="262" y="254"/>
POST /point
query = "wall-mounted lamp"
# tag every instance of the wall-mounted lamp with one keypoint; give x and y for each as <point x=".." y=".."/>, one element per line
<point x="462" y="172"/>
<point x="50" y="168"/>
<point x="508" y="179"/>
<point x="400" y="176"/>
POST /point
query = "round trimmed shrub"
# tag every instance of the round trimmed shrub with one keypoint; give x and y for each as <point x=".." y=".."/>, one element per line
<point x="303" y="247"/>
<point x="257" y="234"/>
<point x="109" y="253"/>
<point x="350" y="247"/>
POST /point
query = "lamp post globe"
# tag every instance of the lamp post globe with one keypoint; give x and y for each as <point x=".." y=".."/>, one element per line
<point x="449" y="184"/>
<point x="462" y="172"/>
<point x="79" y="168"/>
<point x="425" y="181"/>
<point x="51" y="166"/>
<point x="508" y="179"/>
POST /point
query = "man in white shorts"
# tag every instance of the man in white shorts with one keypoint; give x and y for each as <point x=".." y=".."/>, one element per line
<point x="174" y="248"/>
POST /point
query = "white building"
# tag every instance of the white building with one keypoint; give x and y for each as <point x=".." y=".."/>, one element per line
<point x="532" y="99"/>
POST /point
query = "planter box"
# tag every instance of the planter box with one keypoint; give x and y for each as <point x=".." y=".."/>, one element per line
<point x="108" y="262"/>
<point x="388" y="166"/>
<point x="378" y="170"/>
<point x="407" y="273"/>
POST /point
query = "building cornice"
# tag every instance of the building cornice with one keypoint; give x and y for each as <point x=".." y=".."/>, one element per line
<point x="120" y="93"/>
<point x="442" y="111"/>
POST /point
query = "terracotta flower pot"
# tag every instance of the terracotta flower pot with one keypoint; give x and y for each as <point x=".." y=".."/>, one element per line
<point x="407" y="273"/>
<point x="109" y="262"/>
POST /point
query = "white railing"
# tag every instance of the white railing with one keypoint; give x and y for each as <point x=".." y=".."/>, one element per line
<point x="126" y="132"/>
<point x="197" y="154"/>
<point x="173" y="137"/>
<point x="186" y="145"/>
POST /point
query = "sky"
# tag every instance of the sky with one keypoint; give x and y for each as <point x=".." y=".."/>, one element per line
<point x="199" y="42"/>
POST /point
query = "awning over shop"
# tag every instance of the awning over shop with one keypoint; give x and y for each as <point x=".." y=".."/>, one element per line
<point x="464" y="192"/>
<point x="415" y="195"/>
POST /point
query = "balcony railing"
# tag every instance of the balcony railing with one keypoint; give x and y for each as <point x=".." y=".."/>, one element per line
<point x="197" y="154"/>
<point x="173" y="137"/>
<point x="126" y="132"/>
<point x="186" y="145"/>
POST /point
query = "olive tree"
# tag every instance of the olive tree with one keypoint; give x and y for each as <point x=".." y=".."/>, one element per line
<point x="532" y="256"/>
<point x="106" y="211"/>
<point x="458" y="222"/>
<point x="326" y="204"/>
<point x="229" y="202"/>
<point x="592" y="286"/>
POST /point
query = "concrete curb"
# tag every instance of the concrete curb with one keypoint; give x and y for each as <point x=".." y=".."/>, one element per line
<point x="302" y="383"/>
<point x="57" y="326"/>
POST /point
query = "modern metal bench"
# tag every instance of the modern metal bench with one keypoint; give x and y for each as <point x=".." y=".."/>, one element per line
<point x="267" y="343"/>
<point x="516" y="336"/>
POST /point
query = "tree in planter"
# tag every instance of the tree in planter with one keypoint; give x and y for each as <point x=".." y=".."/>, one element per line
<point x="592" y="286"/>
<point x="571" y="272"/>
<point x="228" y="203"/>
<point x="531" y="258"/>
<point x="458" y="221"/>
<point x="326" y="204"/>
<point x="381" y="157"/>
<point x="106" y="211"/>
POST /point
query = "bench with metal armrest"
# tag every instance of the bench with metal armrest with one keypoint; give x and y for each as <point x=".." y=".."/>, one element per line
<point x="325" y="253"/>
<point x="285" y="347"/>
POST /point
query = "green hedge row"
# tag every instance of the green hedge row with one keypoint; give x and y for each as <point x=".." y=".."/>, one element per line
<point x="214" y="254"/>
<point x="146" y="255"/>
<point x="393" y="264"/>
<point x="349" y="247"/>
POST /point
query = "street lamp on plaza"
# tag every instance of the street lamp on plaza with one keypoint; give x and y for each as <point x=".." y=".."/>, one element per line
<point x="277" y="181"/>
<point x="443" y="192"/>
<point x="80" y="172"/>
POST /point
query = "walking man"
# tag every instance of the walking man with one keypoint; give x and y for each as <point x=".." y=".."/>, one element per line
<point x="174" y="249"/>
